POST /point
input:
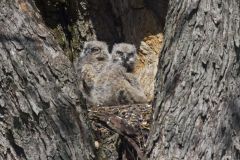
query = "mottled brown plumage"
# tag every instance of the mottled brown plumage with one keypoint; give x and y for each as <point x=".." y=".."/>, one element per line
<point x="114" y="86"/>
<point x="89" y="64"/>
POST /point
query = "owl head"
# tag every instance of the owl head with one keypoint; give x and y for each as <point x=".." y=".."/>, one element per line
<point x="125" y="55"/>
<point x="95" y="50"/>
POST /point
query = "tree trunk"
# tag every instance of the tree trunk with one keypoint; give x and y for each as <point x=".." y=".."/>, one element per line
<point x="41" y="114"/>
<point x="197" y="96"/>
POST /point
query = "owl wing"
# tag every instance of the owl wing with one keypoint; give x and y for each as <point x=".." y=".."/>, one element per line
<point x="87" y="78"/>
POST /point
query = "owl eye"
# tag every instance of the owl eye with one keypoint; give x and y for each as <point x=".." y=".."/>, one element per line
<point x="120" y="53"/>
<point x="95" y="49"/>
<point x="131" y="54"/>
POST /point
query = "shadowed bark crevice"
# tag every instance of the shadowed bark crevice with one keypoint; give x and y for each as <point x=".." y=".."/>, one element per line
<point x="19" y="150"/>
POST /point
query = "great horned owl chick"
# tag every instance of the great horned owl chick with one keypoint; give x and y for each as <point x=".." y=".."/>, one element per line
<point x="90" y="63"/>
<point x="114" y="86"/>
<point x="125" y="55"/>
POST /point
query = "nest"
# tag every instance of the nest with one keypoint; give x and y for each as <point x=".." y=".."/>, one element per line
<point x="121" y="131"/>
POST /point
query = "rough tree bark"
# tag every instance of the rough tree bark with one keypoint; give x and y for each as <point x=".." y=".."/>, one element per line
<point x="41" y="114"/>
<point x="197" y="96"/>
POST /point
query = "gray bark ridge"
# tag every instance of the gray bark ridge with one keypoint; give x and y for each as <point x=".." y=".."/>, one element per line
<point x="197" y="88"/>
<point x="41" y="114"/>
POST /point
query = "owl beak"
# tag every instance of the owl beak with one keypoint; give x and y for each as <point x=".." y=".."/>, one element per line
<point x="88" y="51"/>
<point x="125" y="55"/>
<point x="100" y="58"/>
